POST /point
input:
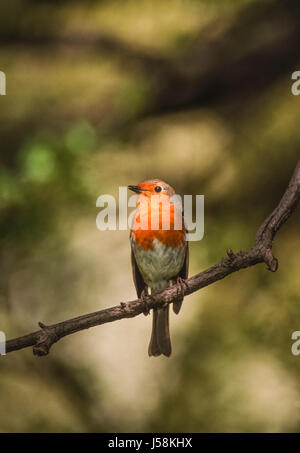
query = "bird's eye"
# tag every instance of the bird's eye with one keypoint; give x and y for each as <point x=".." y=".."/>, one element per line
<point x="157" y="189"/>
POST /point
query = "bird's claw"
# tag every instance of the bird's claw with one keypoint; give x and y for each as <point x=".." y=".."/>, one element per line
<point x="146" y="309"/>
<point x="180" y="284"/>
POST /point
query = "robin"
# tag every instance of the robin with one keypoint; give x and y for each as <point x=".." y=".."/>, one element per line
<point x="159" y="254"/>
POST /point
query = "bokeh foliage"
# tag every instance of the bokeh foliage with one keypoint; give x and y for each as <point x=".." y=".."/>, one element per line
<point x="102" y="94"/>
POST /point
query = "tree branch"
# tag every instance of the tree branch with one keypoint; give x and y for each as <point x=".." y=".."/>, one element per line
<point x="43" y="339"/>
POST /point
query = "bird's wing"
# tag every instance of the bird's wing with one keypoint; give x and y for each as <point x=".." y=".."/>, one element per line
<point x="183" y="273"/>
<point x="139" y="283"/>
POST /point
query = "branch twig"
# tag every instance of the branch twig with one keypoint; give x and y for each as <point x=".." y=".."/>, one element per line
<point x="43" y="339"/>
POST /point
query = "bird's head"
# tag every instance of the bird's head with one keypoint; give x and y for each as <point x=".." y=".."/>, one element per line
<point x="153" y="187"/>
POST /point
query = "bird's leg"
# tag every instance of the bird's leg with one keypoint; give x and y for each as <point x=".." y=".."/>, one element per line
<point x="146" y="309"/>
<point x="180" y="283"/>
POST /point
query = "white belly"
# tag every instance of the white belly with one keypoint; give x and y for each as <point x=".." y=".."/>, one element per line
<point x="160" y="264"/>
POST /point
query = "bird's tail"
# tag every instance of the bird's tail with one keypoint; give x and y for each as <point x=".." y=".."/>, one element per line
<point x="160" y="342"/>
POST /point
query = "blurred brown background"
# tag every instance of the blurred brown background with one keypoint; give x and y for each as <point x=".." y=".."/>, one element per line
<point x="102" y="94"/>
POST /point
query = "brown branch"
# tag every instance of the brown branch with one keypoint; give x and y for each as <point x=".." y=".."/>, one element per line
<point x="43" y="339"/>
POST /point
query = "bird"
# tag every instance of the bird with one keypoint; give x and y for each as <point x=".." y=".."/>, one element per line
<point x="159" y="255"/>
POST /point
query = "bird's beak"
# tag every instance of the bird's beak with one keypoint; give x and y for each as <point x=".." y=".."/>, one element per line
<point x="136" y="189"/>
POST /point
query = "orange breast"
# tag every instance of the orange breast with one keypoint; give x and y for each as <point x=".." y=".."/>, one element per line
<point x="171" y="237"/>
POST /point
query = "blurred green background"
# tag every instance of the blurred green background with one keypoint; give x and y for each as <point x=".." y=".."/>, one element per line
<point x="102" y="94"/>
